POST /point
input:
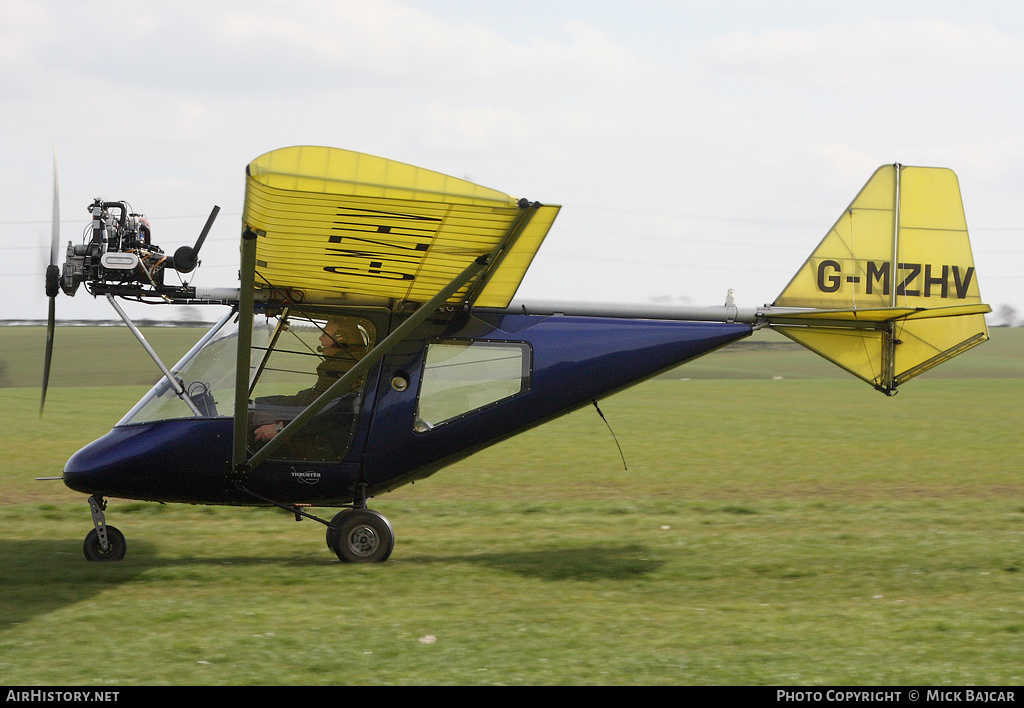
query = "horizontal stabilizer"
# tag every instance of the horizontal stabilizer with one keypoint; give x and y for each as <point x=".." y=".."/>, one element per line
<point x="881" y="314"/>
<point x="891" y="291"/>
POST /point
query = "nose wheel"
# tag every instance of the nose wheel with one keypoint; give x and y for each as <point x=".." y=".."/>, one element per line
<point x="103" y="543"/>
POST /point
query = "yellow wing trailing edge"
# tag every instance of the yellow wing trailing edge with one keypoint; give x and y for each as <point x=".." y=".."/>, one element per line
<point x="335" y="222"/>
<point x="891" y="291"/>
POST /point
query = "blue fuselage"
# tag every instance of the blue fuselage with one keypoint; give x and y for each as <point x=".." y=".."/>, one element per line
<point x="571" y="362"/>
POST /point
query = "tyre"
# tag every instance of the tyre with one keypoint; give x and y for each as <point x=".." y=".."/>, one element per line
<point x="361" y="536"/>
<point x="116" y="546"/>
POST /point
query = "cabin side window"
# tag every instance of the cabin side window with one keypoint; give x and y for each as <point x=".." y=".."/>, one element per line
<point x="460" y="377"/>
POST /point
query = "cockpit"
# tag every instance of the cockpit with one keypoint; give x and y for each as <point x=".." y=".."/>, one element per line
<point x="295" y="357"/>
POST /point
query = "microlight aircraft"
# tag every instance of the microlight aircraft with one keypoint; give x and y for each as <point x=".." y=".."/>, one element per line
<point x="373" y="337"/>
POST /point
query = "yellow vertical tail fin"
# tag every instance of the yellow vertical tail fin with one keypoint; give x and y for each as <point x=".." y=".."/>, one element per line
<point x="891" y="291"/>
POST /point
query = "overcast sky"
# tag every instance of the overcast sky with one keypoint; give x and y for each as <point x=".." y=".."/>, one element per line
<point x="696" y="147"/>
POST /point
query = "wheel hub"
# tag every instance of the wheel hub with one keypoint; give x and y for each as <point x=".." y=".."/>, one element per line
<point x="363" y="540"/>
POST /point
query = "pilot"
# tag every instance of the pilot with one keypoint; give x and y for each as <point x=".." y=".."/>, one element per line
<point x="343" y="342"/>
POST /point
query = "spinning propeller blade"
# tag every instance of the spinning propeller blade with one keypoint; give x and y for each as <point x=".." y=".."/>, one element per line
<point x="52" y="283"/>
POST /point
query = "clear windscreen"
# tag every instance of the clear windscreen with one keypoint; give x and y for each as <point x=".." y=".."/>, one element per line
<point x="207" y="376"/>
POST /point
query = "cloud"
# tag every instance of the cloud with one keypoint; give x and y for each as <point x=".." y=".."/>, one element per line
<point x="870" y="55"/>
<point x="663" y="141"/>
<point x="304" y="46"/>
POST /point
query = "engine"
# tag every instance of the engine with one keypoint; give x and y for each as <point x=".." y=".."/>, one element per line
<point x="118" y="256"/>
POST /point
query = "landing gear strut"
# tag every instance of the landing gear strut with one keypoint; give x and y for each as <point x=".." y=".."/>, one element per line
<point x="103" y="543"/>
<point x="355" y="534"/>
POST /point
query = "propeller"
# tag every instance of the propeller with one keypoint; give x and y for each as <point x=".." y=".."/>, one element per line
<point x="52" y="283"/>
<point x="186" y="258"/>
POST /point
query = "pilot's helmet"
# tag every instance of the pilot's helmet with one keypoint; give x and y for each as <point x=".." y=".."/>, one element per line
<point x="348" y="331"/>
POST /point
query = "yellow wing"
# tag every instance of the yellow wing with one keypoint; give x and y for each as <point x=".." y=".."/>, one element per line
<point x="332" y="221"/>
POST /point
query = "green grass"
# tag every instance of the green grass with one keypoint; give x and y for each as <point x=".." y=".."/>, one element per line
<point x="803" y="531"/>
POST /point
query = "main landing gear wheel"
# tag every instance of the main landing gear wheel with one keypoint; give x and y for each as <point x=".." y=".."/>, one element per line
<point x="361" y="536"/>
<point x="116" y="546"/>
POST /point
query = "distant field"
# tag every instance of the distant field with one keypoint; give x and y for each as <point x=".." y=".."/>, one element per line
<point x="768" y="354"/>
<point x="89" y="356"/>
<point x="776" y="523"/>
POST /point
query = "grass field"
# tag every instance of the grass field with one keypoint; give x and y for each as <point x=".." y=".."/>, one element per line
<point x="779" y="523"/>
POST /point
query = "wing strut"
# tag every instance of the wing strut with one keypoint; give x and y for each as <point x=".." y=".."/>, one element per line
<point x="175" y="384"/>
<point x="242" y="466"/>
